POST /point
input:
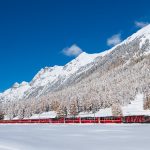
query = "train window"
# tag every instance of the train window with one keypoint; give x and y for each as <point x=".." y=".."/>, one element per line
<point x="85" y="118"/>
<point x="55" y="119"/>
<point x="70" y="118"/>
<point x="146" y="117"/>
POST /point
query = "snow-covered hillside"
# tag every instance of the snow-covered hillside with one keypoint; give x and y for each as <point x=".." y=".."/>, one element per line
<point x="52" y="74"/>
<point x="49" y="78"/>
<point x="16" y="92"/>
<point x="91" y="81"/>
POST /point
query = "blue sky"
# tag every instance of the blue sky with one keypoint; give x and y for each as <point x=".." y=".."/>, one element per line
<point x="38" y="33"/>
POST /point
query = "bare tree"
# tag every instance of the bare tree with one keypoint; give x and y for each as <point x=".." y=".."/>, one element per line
<point x="73" y="108"/>
<point x="116" y="110"/>
<point x="146" y="102"/>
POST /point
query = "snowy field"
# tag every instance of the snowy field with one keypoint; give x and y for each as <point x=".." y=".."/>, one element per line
<point x="75" y="137"/>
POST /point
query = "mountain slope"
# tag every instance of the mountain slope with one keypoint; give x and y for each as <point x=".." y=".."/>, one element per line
<point x="134" y="49"/>
<point x="48" y="79"/>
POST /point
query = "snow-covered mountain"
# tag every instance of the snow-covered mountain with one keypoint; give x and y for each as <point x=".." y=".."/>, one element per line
<point x="47" y="78"/>
<point x="57" y="77"/>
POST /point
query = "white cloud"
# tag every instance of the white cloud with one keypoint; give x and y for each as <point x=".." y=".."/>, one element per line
<point x="141" y="24"/>
<point x="114" y="40"/>
<point x="74" y="50"/>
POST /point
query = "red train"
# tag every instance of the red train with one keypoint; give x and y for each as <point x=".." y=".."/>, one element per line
<point x="111" y="119"/>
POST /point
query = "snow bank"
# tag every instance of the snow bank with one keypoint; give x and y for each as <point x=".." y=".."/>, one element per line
<point x="100" y="113"/>
<point x="136" y="107"/>
<point x="50" y="114"/>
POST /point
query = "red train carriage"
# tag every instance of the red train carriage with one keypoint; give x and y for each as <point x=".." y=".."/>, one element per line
<point x="26" y="121"/>
<point x="32" y="121"/>
<point x="90" y="120"/>
<point x="6" y="121"/>
<point x="23" y="121"/>
<point x="57" y="120"/>
<point x="45" y="120"/>
<point x="110" y="119"/>
<point x="40" y="121"/>
<point x="134" y="119"/>
<point x="72" y="120"/>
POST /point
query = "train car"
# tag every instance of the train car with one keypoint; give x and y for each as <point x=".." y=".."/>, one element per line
<point x="26" y="121"/>
<point x="90" y="120"/>
<point x="40" y="120"/>
<point x="134" y="119"/>
<point x="57" y="120"/>
<point x="111" y="119"/>
<point x="8" y="121"/>
<point x="23" y="121"/>
<point x="45" y="120"/>
<point x="73" y="120"/>
<point x="3" y="121"/>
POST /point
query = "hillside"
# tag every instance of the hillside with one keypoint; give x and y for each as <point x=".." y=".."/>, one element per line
<point x="88" y="83"/>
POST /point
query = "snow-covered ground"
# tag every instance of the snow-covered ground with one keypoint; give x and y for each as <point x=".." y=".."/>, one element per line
<point x="136" y="107"/>
<point x="75" y="137"/>
<point x="50" y="114"/>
